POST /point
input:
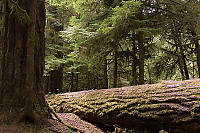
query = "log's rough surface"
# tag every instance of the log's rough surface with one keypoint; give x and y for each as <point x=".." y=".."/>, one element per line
<point x="170" y="105"/>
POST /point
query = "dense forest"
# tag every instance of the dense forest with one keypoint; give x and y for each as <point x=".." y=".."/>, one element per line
<point x="99" y="66"/>
<point x="105" y="44"/>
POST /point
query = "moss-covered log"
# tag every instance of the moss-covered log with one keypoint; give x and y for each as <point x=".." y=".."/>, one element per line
<point x="170" y="105"/>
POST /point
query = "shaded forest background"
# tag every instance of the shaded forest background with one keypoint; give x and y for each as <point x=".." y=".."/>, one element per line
<point x="104" y="44"/>
<point x="101" y="44"/>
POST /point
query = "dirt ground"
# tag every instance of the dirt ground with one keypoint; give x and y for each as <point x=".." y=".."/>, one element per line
<point x="53" y="126"/>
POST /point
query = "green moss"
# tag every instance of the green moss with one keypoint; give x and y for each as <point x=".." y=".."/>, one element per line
<point x="159" y="101"/>
<point x="19" y="12"/>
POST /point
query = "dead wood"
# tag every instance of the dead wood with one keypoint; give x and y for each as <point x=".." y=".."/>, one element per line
<point x="170" y="105"/>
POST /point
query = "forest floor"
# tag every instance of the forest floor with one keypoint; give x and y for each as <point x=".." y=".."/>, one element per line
<point x="86" y="127"/>
<point x="53" y="126"/>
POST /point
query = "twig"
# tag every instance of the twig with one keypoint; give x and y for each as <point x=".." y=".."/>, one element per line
<point x="61" y="120"/>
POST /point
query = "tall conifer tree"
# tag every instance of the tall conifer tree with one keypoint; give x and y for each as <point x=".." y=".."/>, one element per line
<point x="22" y="58"/>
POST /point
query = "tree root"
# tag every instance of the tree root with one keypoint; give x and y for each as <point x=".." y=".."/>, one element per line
<point x="61" y="120"/>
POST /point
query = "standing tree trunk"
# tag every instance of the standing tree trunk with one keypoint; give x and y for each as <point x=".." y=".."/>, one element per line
<point x="77" y="82"/>
<point x="22" y="59"/>
<point x="193" y="69"/>
<point x="141" y="57"/>
<point x="72" y="81"/>
<point x="197" y="48"/>
<point x="88" y="85"/>
<point x="97" y="82"/>
<point x="134" y="63"/>
<point x="149" y="73"/>
<point x="3" y="30"/>
<point x="181" y="68"/>
<point x="105" y="68"/>
<point x="46" y="83"/>
<point x="183" y="58"/>
<point x="140" y="37"/>
<point x="56" y="80"/>
<point x="115" y="70"/>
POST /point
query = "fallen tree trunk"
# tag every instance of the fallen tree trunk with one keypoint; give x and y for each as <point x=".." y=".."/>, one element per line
<point x="170" y="105"/>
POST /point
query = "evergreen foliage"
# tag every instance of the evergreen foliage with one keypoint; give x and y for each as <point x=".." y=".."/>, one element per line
<point x="118" y="32"/>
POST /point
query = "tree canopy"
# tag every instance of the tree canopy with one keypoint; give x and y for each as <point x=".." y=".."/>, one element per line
<point x="132" y="42"/>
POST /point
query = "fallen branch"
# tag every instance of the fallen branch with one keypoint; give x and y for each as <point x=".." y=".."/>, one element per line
<point x="61" y="120"/>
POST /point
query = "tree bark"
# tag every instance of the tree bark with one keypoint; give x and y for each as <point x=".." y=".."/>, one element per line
<point x="197" y="48"/>
<point x="134" y="63"/>
<point x="88" y="86"/>
<point x="141" y="57"/>
<point x="56" y="81"/>
<point x="105" y="68"/>
<point x="3" y="31"/>
<point x="77" y="82"/>
<point x="183" y="58"/>
<point x="181" y="68"/>
<point x="22" y="59"/>
<point x="149" y="73"/>
<point x="46" y="84"/>
<point x="72" y="81"/>
<point x="172" y="106"/>
<point x="115" y="70"/>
